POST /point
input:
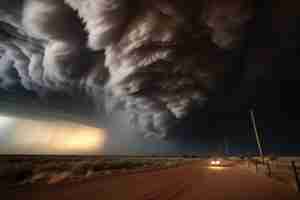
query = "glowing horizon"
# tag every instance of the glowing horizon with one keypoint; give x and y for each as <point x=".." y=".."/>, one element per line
<point x="49" y="137"/>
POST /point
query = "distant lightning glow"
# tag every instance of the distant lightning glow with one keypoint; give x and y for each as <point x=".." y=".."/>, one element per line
<point x="60" y="137"/>
<point x="84" y="139"/>
<point x="49" y="137"/>
<point x="5" y="121"/>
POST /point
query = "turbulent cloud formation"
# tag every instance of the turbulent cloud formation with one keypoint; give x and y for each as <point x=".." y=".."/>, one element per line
<point x="157" y="60"/>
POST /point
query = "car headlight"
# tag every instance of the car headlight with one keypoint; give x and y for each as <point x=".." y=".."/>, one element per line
<point x="213" y="162"/>
<point x="217" y="162"/>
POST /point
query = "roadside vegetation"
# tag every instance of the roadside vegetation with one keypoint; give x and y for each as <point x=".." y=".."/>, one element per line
<point x="43" y="170"/>
<point x="279" y="168"/>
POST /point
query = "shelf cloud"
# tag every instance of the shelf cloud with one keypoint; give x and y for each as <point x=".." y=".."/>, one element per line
<point x="155" y="60"/>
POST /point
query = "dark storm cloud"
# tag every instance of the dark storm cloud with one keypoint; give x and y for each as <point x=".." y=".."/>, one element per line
<point x="158" y="60"/>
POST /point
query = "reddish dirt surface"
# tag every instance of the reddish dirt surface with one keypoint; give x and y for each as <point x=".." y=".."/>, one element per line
<point x="195" y="181"/>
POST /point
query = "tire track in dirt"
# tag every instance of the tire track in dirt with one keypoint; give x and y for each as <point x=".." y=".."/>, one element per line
<point x="169" y="192"/>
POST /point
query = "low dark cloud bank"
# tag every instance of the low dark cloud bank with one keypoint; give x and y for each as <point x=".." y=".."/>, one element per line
<point x="162" y="62"/>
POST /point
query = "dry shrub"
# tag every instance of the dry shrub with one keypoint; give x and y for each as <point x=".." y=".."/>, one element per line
<point x="57" y="178"/>
<point x="89" y="173"/>
<point x="39" y="177"/>
<point x="81" y="168"/>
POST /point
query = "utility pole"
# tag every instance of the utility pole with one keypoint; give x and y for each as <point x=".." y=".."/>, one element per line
<point x="259" y="144"/>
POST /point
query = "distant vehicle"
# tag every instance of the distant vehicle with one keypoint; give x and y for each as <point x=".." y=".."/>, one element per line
<point x="215" y="162"/>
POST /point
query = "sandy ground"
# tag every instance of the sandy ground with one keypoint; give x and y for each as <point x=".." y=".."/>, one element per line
<point x="195" y="181"/>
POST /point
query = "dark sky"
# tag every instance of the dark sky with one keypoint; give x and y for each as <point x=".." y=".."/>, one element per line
<point x="261" y="72"/>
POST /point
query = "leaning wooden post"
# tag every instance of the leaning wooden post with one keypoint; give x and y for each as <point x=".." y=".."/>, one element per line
<point x="256" y="166"/>
<point x="269" y="169"/>
<point x="296" y="175"/>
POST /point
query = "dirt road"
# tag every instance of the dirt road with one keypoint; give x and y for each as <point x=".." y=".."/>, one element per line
<point x="191" y="182"/>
